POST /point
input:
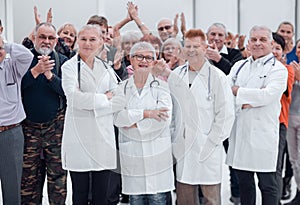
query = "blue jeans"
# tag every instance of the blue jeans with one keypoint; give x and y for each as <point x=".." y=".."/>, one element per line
<point x="149" y="199"/>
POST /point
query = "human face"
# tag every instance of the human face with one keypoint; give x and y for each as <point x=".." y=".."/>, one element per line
<point x="89" y="43"/>
<point x="142" y="59"/>
<point x="109" y="37"/>
<point x="286" y="31"/>
<point x="277" y="51"/>
<point x="259" y="43"/>
<point x="45" y="39"/>
<point x="127" y="46"/>
<point x="68" y="33"/>
<point x="194" y="49"/>
<point x="216" y="35"/>
<point x="170" y="51"/>
<point x="2" y="51"/>
<point x="165" y="29"/>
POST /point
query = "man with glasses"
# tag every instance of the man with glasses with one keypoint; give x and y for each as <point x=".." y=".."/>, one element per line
<point x="165" y="29"/>
<point x="44" y="104"/>
<point x="12" y="69"/>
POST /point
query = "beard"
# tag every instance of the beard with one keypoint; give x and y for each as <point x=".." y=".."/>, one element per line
<point x="43" y="51"/>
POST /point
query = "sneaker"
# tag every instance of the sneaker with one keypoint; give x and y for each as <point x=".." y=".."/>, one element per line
<point x="235" y="200"/>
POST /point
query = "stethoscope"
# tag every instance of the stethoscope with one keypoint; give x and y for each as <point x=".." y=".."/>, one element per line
<point x="153" y="84"/>
<point x="234" y="78"/>
<point x="119" y="81"/>
<point x="184" y="71"/>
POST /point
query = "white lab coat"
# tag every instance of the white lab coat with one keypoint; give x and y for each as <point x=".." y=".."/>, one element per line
<point x="201" y="162"/>
<point x="145" y="151"/>
<point x="88" y="142"/>
<point x="253" y="144"/>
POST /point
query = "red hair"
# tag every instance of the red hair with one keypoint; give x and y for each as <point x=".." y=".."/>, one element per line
<point x="192" y="33"/>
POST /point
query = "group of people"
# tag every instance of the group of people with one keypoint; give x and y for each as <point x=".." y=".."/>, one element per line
<point x="143" y="115"/>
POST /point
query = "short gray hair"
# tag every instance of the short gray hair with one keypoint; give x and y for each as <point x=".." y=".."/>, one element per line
<point x="259" y="28"/>
<point x="44" y="24"/>
<point x="218" y="25"/>
<point x="142" y="46"/>
<point x="91" y="27"/>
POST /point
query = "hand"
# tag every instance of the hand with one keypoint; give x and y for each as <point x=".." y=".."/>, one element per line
<point x="37" y="16"/>
<point x="132" y="10"/>
<point x="175" y="26"/>
<point x="49" y="16"/>
<point x="44" y="64"/>
<point x="183" y="23"/>
<point x="245" y="106"/>
<point x="235" y="90"/>
<point x="160" y="68"/>
<point x="231" y="40"/>
<point x="103" y="54"/>
<point x="118" y="59"/>
<point x="109" y="95"/>
<point x="241" y="41"/>
<point x="296" y="67"/>
<point x="212" y="53"/>
<point x="160" y="114"/>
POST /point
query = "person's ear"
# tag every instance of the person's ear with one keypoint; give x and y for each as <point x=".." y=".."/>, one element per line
<point x="1" y="29"/>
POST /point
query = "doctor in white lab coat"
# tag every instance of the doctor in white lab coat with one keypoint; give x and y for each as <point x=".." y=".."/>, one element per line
<point x="257" y="84"/>
<point x="145" y="139"/>
<point x="212" y="109"/>
<point x="88" y="144"/>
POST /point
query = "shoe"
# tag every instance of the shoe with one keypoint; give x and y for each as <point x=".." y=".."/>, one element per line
<point x="296" y="200"/>
<point x="286" y="188"/>
<point x="235" y="200"/>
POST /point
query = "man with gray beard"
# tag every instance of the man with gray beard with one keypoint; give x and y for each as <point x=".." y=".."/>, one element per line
<point x="44" y="103"/>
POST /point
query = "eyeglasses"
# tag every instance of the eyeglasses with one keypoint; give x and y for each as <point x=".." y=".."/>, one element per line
<point x="148" y="59"/>
<point x="50" y="38"/>
<point x="167" y="27"/>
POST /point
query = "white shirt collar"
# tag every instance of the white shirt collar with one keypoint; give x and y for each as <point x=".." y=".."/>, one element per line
<point x="224" y="50"/>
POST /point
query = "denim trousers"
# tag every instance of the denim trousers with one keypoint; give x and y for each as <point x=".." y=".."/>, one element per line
<point x="150" y="199"/>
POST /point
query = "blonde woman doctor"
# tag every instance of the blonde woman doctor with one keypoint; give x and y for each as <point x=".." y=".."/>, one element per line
<point x="88" y="146"/>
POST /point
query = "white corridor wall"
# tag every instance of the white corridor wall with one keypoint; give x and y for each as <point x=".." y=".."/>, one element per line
<point x="237" y="15"/>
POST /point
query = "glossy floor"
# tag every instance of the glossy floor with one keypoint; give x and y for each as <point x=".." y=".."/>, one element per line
<point x="225" y="191"/>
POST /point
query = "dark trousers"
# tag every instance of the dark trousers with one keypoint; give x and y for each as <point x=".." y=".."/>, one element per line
<point x="234" y="180"/>
<point x="280" y="159"/>
<point x="104" y="186"/>
<point x="11" y="159"/>
<point x="267" y="183"/>
<point x="46" y="138"/>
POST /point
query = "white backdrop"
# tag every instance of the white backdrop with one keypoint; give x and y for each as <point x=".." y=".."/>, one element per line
<point x="19" y="14"/>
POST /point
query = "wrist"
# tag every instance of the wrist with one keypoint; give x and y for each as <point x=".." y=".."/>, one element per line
<point x="51" y="77"/>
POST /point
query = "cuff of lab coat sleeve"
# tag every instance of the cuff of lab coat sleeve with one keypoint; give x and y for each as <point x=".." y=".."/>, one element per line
<point x="208" y="148"/>
<point x="102" y="105"/>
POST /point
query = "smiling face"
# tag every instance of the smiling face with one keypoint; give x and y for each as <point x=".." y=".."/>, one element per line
<point x="194" y="49"/>
<point x="89" y="42"/>
<point x="260" y="43"/>
<point x="216" y="35"/>
<point x="142" y="59"/>
<point x="286" y="31"/>
<point x="165" y="29"/>
<point x="277" y="51"/>
<point x="68" y="34"/>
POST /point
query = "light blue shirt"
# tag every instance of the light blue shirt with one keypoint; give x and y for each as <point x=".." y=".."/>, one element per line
<point x="12" y="69"/>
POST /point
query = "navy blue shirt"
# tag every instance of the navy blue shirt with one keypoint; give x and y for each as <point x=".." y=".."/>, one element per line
<point x="42" y="99"/>
<point x="291" y="56"/>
